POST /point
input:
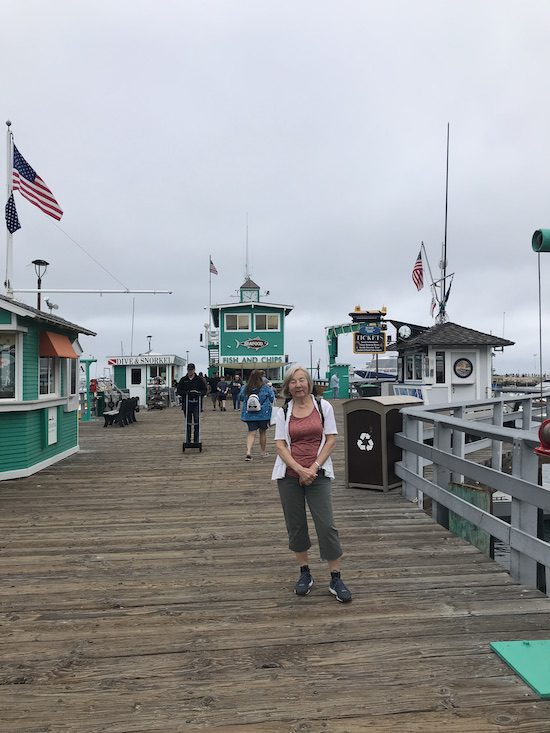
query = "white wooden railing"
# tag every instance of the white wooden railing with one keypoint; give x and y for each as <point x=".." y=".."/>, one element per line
<point x="447" y="454"/>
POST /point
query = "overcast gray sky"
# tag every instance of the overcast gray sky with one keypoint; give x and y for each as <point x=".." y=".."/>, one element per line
<point x="158" y="126"/>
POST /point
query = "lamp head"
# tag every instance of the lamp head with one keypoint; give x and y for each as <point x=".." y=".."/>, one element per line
<point x="40" y="267"/>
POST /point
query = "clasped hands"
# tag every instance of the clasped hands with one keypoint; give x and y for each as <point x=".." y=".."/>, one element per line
<point x="306" y="476"/>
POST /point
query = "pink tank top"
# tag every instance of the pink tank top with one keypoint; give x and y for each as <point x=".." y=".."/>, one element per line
<point x="306" y="434"/>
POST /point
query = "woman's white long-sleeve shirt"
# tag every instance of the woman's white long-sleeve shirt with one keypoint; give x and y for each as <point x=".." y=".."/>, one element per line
<point x="282" y="433"/>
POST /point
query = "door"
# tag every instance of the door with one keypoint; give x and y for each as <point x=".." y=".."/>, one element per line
<point x="138" y="384"/>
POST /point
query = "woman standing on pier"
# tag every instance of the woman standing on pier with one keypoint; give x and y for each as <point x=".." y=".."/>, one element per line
<point x="305" y="435"/>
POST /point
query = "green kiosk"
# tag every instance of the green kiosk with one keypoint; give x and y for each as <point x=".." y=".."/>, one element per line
<point x="39" y="388"/>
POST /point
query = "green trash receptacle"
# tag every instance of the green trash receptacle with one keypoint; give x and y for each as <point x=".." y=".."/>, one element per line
<point x="100" y="403"/>
<point x="370" y="451"/>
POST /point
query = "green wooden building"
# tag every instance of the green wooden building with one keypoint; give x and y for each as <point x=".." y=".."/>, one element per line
<point x="249" y="334"/>
<point x="39" y="388"/>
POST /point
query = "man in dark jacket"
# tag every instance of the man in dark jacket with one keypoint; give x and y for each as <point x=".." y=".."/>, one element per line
<point x="192" y="389"/>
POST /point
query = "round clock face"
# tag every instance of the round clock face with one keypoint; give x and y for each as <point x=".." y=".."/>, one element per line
<point x="463" y="368"/>
<point x="404" y="332"/>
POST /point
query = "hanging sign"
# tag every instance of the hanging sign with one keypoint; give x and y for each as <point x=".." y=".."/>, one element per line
<point x="369" y="343"/>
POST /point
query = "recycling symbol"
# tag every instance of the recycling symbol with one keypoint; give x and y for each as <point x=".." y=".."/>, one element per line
<point x="365" y="442"/>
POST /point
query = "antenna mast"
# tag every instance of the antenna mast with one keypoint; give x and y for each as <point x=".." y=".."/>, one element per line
<point x="442" y="316"/>
<point x="246" y="270"/>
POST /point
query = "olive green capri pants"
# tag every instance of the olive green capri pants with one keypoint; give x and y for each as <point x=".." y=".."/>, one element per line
<point x="319" y="500"/>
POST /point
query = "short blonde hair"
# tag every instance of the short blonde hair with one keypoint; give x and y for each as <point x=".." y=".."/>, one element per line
<point x="289" y="374"/>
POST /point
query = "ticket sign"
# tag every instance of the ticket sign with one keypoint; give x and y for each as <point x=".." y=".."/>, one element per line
<point x="369" y="343"/>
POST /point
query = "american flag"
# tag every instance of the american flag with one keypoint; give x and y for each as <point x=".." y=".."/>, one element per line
<point x="418" y="272"/>
<point x="12" y="220"/>
<point x="213" y="268"/>
<point x="32" y="187"/>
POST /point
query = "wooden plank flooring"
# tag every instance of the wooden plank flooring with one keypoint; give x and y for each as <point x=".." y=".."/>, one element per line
<point x="148" y="591"/>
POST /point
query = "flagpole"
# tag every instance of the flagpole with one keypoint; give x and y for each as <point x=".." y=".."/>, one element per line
<point x="9" y="235"/>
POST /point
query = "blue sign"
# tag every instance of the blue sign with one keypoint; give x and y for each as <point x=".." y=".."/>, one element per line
<point x="369" y="329"/>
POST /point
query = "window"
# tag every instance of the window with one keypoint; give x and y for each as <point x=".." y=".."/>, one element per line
<point x="418" y="367"/>
<point x="413" y="367"/>
<point x="158" y="371"/>
<point x="136" y="376"/>
<point x="266" y="322"/>
<point x="47" y="375"/>
<point x="400" y="369"/>
<point x="73" y="375"/>
<point x="7" y="366"/>
<point x="237" y="322"/>
<point x="440" y="367"/>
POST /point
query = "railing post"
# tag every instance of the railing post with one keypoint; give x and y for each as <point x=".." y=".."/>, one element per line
<point x="442" y="441"/>
<point x="527" y="411"/>
<point x="524" y="516"/>
<point x="496" y="445"/>
<point x="459" y="441"/>
<point x="412" y="428"/>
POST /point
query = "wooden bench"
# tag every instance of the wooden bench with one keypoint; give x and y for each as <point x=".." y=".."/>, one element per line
<point x="124" y="414"/>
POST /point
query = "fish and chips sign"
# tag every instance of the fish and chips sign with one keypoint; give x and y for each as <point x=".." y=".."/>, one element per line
<point x="265" y="360"/>
<point x="253" y="344"/>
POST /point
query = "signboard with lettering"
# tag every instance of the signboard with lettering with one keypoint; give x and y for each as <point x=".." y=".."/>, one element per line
<point x="250" y="359"/>
<point x="143" y="360"/>
<point x="369" y="343"/>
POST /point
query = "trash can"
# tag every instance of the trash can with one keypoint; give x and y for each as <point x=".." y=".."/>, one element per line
<point x="100" y="403"/>
<point x="370" y="452"/>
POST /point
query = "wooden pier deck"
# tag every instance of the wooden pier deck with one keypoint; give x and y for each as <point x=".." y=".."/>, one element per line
<point x="148" y="591"/>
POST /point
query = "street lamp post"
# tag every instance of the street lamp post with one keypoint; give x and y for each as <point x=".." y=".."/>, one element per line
<point x="149" y="338"/>
<point x="40" y="267"/>
<point x="311" y="357"/>
<point x="187" y="357"/>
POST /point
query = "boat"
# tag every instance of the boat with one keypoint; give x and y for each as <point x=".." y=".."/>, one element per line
<point x="382" y="369"/>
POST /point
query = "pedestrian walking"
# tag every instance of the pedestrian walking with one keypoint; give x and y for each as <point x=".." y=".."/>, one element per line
<point x="257" y="400"/>
<point x="191" y="389"/>
<point x="305" y="436"/>
<point x="205" y="380"/>
<point x="235" y="386"/>
<point x="335" y="386"/>
<point x="222" y="389"/>
<point x="213" y="386"/>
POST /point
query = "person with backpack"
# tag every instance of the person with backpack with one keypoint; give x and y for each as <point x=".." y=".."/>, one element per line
<point x="305" y="436"/>
<point x="257" y="399"/>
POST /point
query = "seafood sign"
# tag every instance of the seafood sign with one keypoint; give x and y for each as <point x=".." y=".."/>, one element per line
<point x="255" y="343"/>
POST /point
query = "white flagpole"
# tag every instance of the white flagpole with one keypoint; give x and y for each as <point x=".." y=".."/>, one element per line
<point x="9" y="235"/>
